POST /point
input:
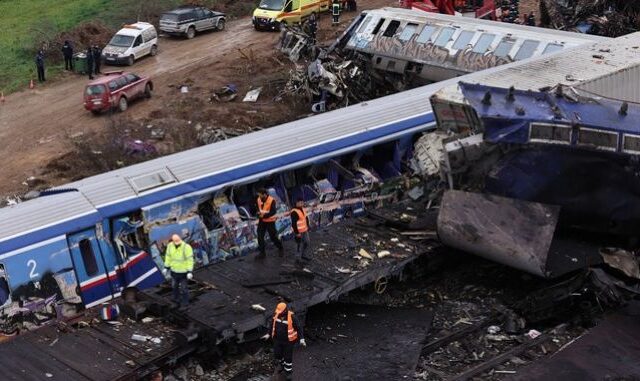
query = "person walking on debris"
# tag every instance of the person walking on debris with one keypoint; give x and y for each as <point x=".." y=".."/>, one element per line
<point x="67" y="53"/>
<point x="335" y="12"/>
<point x="286" y="331"/>
<point x="178" y="262"/>
<point x="267" y="222"/>
<point x="300" y="226"/>
<point x="312" y="27"/>
<point x="89" y="54"/>
<point x="97" y="58"/>
<point x="40" y="65"/>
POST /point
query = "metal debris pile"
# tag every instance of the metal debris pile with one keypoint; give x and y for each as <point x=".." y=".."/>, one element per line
<point x="611" y="18"/>
<point x="327" y="78"/>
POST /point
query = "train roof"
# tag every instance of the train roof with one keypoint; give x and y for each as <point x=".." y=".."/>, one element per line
<point x="609" y="68"/>
<point x="241" y="159"/>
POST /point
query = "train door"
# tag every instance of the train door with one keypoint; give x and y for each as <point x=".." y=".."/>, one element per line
<point x="95" y="285"/>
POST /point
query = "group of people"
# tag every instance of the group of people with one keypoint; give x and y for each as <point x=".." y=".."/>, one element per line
<point x="285" y="329"/>
<point x="93" y="57"/>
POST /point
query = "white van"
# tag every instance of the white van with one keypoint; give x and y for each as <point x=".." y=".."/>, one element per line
<point x="130" y="43"/>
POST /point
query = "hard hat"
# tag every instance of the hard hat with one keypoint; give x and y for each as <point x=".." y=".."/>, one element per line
<point x="281" y="307"/>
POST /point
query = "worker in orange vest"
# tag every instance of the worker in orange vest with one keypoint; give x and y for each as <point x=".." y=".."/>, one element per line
<point x="267" y="222"/>
<point x="300" y="226"/>
<point x="286" y="331"/>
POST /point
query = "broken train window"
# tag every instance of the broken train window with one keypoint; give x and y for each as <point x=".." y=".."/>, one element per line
<point x="88" y="257"/>
<point x="549" y="133"/>
<point x="603" y="140"/>
<point x="377" y="28"/>
<point x="5" y="292"/>
<point x="408" y="32"/>
<point x="392" y="28"/>
<point x="209" y="215"/>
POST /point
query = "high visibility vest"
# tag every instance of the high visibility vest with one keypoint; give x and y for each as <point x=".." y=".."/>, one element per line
<point x="180" y="260"/>
<point x="265" y="208"/>
<point x="335" y="9"/>
<point x="291" y="332"/>
<point x="302" y="220"/>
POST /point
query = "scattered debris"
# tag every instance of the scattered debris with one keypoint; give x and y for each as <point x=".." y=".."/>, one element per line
<point x="364" y="254"/>
<point x="384" y="253"/>
<point x="252" y="95"/>
<point x="225" y="94"/>
<point x="258" y="307"/>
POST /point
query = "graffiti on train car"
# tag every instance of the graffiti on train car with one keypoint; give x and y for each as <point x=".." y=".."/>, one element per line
<point x="411" y="50"/>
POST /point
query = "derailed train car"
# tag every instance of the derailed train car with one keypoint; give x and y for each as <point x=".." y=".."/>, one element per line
<point x="83" y="244"/>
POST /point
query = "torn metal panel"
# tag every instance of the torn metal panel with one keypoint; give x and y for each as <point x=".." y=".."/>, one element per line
<point x="515" y="233"/>
<point x="622" y="260"/>
<point x="428" y="155"/>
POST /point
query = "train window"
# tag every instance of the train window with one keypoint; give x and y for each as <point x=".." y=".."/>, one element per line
<point x="482" y="45"/>
<point x="631" y="144"/>
<point x="552" y="48"/>
<point x="364" y="24"/>
<point x="603" y="140"/>
<point x="444" y="36"/>
<point x="527" y="49"/>
<point x="426" y="33"/>
<point x="377" y="28"/>
<point x="408" y="32"/>
<point x="5" y="293"/>
<point x="392" y="28"/>
<point x="209" y="216"/>
<point x="463" y="39"/>
<point x="550" y="133"/>
<point x="88" y="257"/>
<point x="503" y="48"/>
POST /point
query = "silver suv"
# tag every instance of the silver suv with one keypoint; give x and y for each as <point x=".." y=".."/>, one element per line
<point x="189" y="20"/>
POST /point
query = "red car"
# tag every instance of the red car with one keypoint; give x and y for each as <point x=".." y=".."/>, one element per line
<point x="115" y="90"/>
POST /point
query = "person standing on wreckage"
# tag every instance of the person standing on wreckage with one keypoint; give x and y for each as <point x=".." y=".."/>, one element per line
<point x="178" y="261"/>
<point x="286" y="331"/>
<point x="300" y="226"/>
<point x="267" y="209"/>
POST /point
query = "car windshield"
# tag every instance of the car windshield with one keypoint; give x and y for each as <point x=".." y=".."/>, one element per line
<point x="271" y="5"/>
<point x="121" y="40"/>
<point x="95" y="90"/>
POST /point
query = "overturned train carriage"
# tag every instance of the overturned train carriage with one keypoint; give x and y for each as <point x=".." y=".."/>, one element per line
<point x="562" y="186"/>
<point x="87" y="242"/>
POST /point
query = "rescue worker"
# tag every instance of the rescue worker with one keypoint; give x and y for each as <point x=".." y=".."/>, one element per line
<point x="286" y="331"/>
<point x="97" y="58"/>
<point x="300" y="226"/>
<point x="90" y="66"/>
<point x="267" y="222"/>
<point x="352" y="6"/>
<point x="67" y="53"/>
<point x="312" y="27"/>
<point x="335" y="12"/>
<point x="40" y="65"/>
<point x="178" y="262"/>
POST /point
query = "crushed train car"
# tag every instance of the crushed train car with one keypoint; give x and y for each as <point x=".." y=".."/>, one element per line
<point x="431" y="47"/>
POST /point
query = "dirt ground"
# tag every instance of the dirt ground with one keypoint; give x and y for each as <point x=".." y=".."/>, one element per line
<point x="40" y="127"/>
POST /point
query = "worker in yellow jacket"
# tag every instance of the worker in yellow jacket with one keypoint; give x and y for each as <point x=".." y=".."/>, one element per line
<point x="178" y="261"/>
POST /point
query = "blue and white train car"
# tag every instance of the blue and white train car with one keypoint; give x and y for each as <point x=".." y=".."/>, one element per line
<point x="83" y="244"/>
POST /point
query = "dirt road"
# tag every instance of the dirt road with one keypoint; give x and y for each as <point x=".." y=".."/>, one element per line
<point x="36" y="125"/>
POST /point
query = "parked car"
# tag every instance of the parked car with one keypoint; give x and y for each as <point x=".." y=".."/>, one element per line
<point x="115" y="90"/>
<point x="189" y="20"/>
<point x="131" y="43"/>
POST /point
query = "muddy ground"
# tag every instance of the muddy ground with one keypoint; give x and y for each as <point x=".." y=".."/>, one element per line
<point x="50" y="139"/>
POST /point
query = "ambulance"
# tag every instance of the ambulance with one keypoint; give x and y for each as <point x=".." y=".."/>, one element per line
<point x="271" y="13"/>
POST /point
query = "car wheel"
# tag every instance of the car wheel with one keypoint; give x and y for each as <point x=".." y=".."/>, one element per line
<point x="220" y="25"/>
<point x="123" y="104"/>
<point x="147" y="90"/>
<point x="131" y="60"/>
<point x="191" y="32"/>
<point x="154" y="50"/>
